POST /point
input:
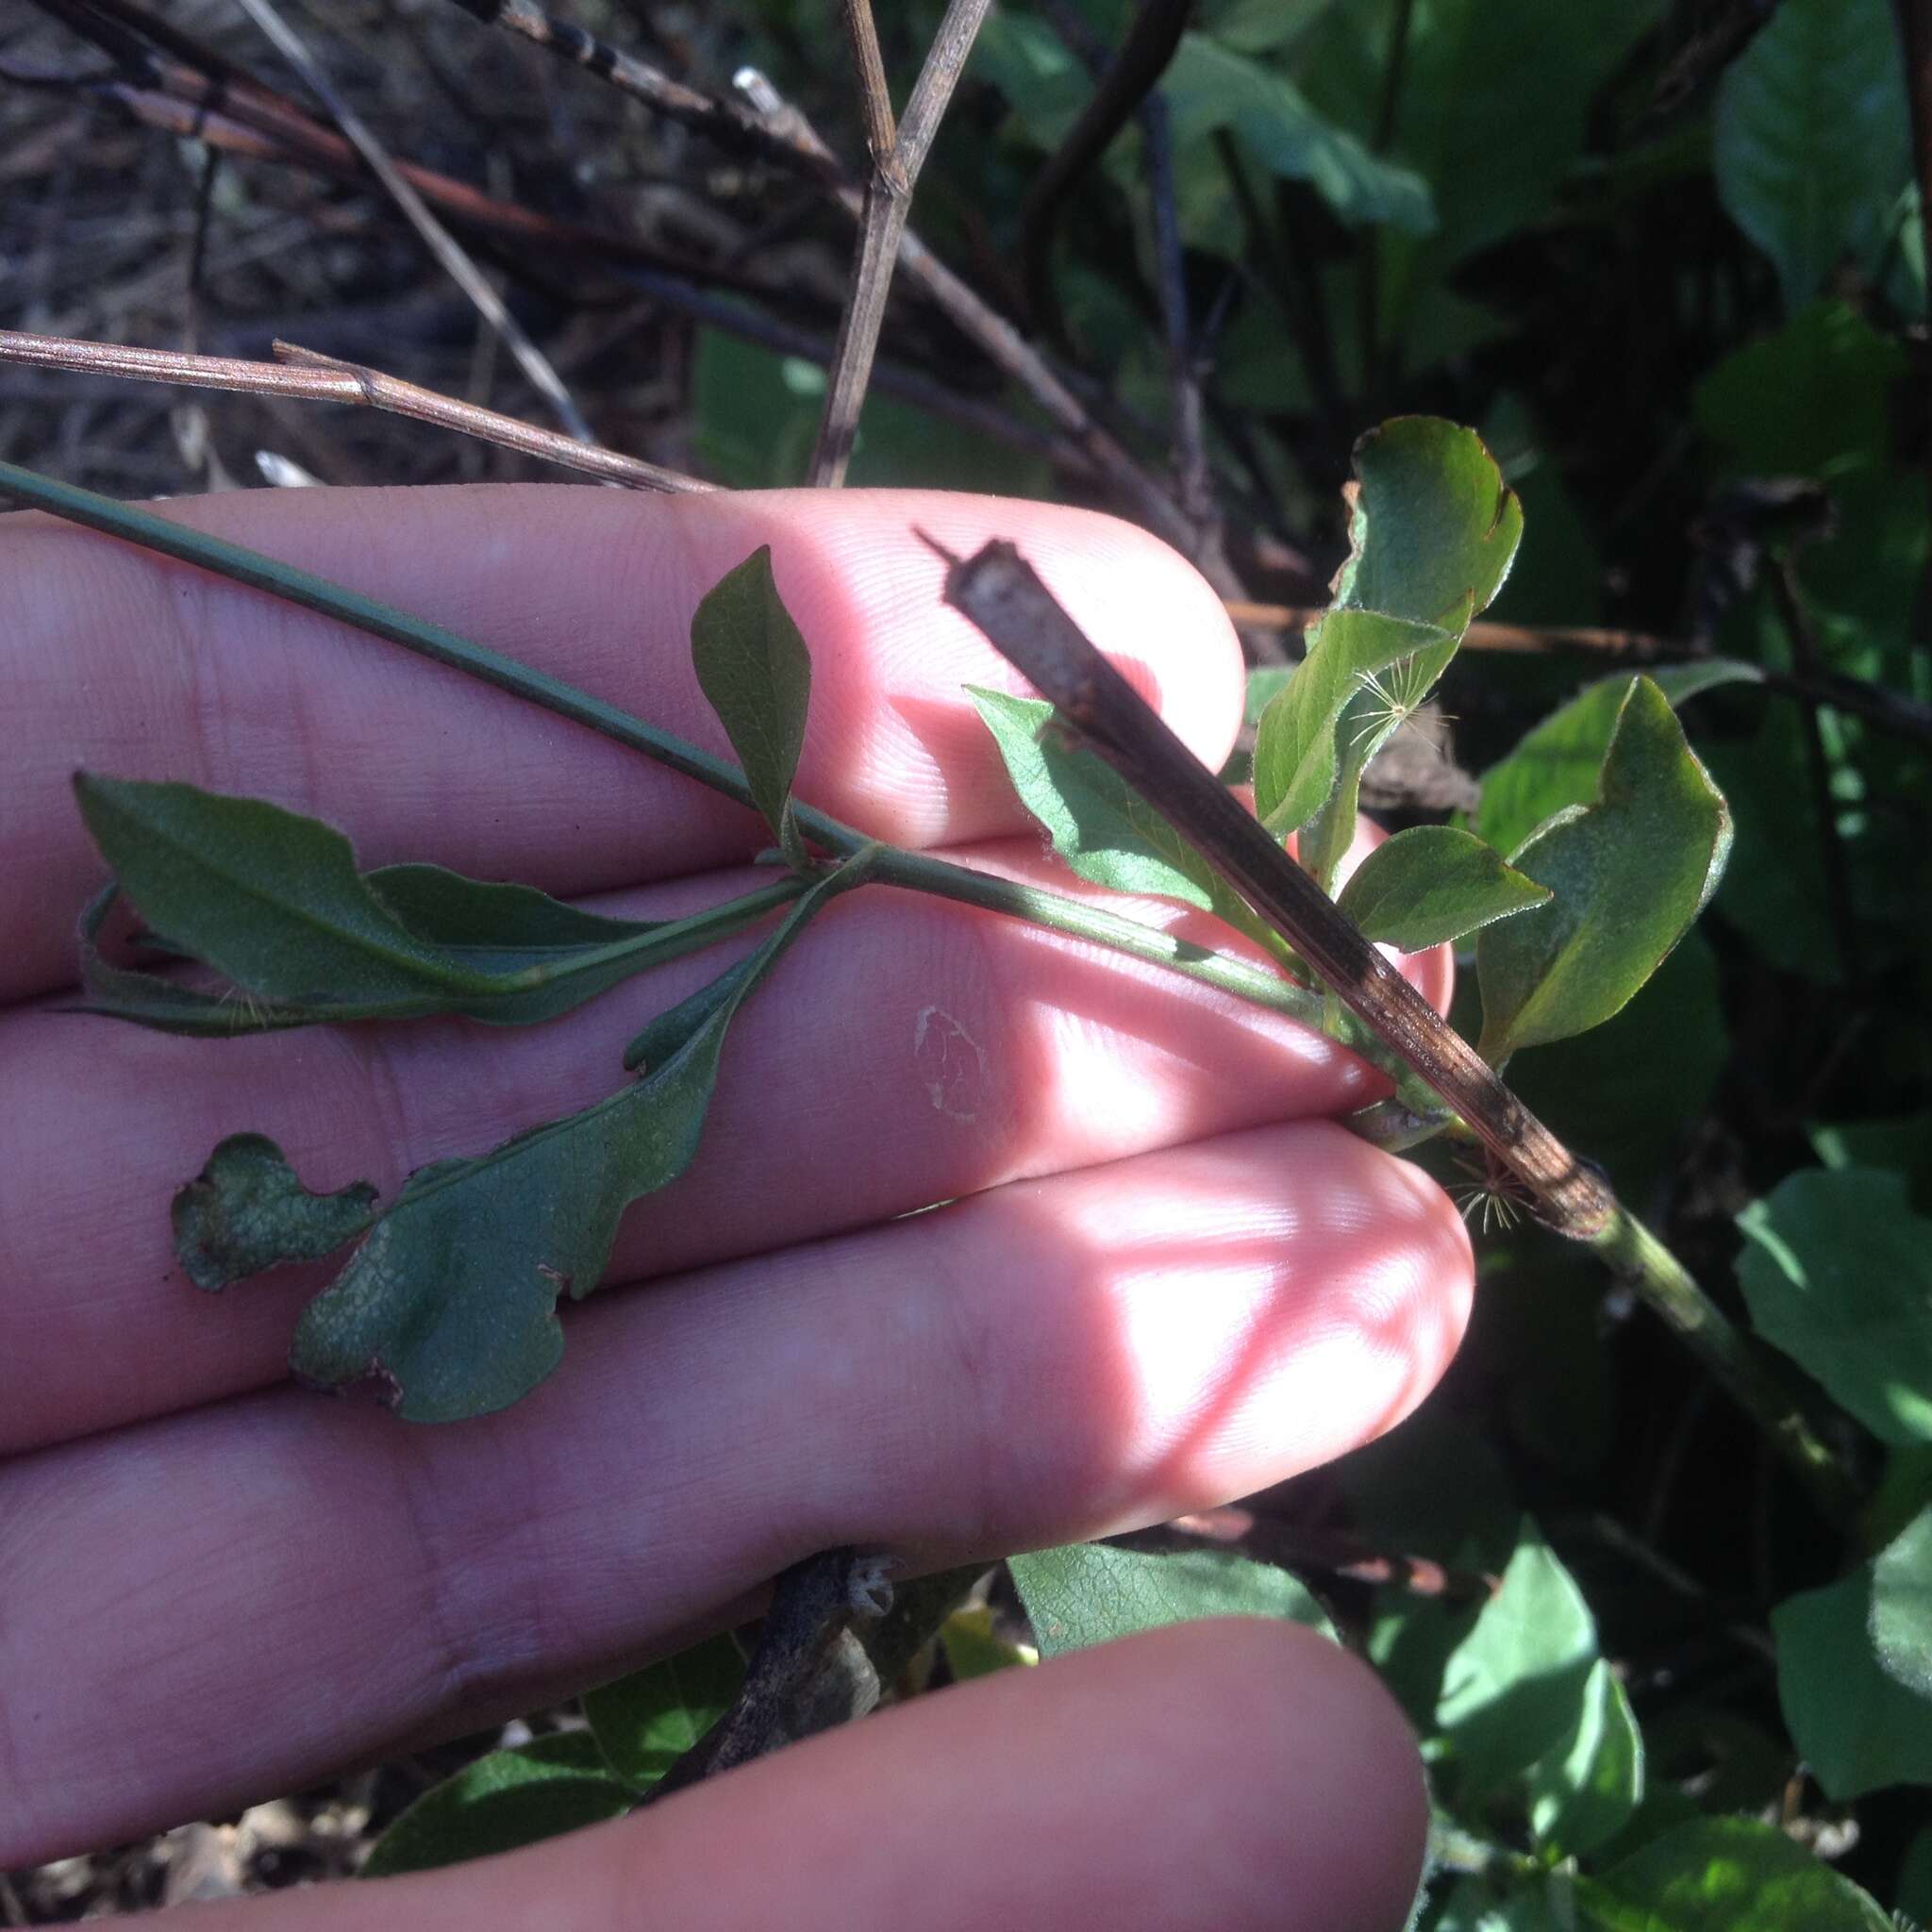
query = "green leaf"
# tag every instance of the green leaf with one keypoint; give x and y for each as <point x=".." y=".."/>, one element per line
<point x="1210" y="87"/>
<point x="1432" y="884"/>
<point x="1902" y="1609"/>
<point x="974" y="1647"/>
<point x="1727" y="1874"/>
<point x="1809" y="140"/>
<point x="1588" y="1788"/>
<point x="450" y="1302"/>
<point x="647" y="1720"/>
<point x="1838" y="1274"/>
<point x="1100" y="826"/>
<point x="1296" y="762"/>
<point x="1434" y="528"/>
<point x="509" y="1798"/>
<point x="246" y="1211"/>
<point x="755" y="674"/>
<point x="1556" y="764"/>
<point x="1516" y="1687"/>
<point x="1088" y="1593"/>
<point x="1630" y="873"/>
<point x="272" y="900"/>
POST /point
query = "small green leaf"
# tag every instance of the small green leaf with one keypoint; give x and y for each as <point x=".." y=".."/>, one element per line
<point x="1295" y="753"/>
<point x="756" y="673"/>
<point x="1629" y="874"/>
<point x="1516" y="1687"/>
<point x="509" y="1798"/>
<point x="451" y="1300"/>
<point x="272" y="900"/>
<point x="246" y="1211"/>
<point x="1100" y="826"/>
<point x="975" y="1648"/>
<point x="1086" y="1593"/>
<point x="1432" y="884"/>
<point x="1810" y="144"/>
<point x="1434" y="528"/>
<point x="668" y="1032"/>
<point x="1838" y="1274"/>
<point x="1556" y="765"/>
<point x="1588" y="1788"/>
<point x="647" y="1720"/>
<point x="1902" y="1609"/>
<point x="1727" y="1874"/>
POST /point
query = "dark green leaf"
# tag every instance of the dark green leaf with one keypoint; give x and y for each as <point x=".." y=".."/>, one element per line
<point x="1630" y="874"/>
<point x="1295" y="752"/>
<point x="1556" y="764"/>
<point x="1434" y="527"/>
<point x="1837" y="1272"/>
<point x="1100" y="826"/>
<point x="1728" y="1875"/>
<point x="647" y="1720"/>
<point x="272" y="900"/>
<point x="669" y="1031"/>
<point x="1586" y="1790"/>
<point x="509" y="1798"/>
<point x="1516" y="1687"/>
<point x="1210" y="87"/>
<point x="1902" y="1609"/>
<point x="246" y="1211"/>
<point x="1432" y="884"/>
<point x="1809" y="140"/>
<point x="755" y="674"/>
<point x="1086" y="1593"/>
<point x="451" y="1300"/>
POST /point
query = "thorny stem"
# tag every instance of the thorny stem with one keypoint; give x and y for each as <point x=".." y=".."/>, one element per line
<point x="1627" y="1247"/>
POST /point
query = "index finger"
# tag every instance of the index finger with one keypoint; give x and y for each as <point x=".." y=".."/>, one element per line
<point x="121" y="660"/>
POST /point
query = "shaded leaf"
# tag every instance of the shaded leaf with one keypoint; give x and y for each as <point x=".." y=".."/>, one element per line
<point x="246" y="1211"/>
<point x="1809" y="142"/>
<point x="509" y="1798"/>
<point x="1100" y="826"/>
<point x="451" y="1300"/>
<point x="1629" y="874"/>
<point x="1588" y="1786"/>
<point x="1515" y="1688"/>
<point x="1727" y="1874"/>
<point x="1432" y="884"/>
<point x="647" y="1720"/>
<point x="1086" y="1593"/>
<point x="1838" y="1274"/>
<point x="1295" y="752"/>
<point x="1556" y="763"/>
<point x="665" y="1033"/>
<point x="755" y="674"/>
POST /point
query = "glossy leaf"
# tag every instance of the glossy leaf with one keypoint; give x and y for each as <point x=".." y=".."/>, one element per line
<point x="246" y="1211"/>
<point x="1838" y="1274"/>
<point x="273" y="902"/>
<point x="1727" y="1874"/>
<point x="1859" y="1711"/>
<point x="1433" y="530"/>
<point x="1516" y="1687"/>
<point x="1432" y="884"/>
<point x="647" y="1720"/>
<point x="1629" y="874"/>
<point x="1588" y="1788"/>
<point x="755" y="674"/>
<point x="1086" y="1593"/>
<point x="1556" y="764"/>
<point x="1102" y="828"/>
<point x="1296" y="762"/>
<point x="450" y="1302"/>
<point x="1809" y="141"/>
<point x="509" y="1798"/>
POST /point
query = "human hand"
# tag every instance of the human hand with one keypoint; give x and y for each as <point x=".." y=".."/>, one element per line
<point x="1169" y="1279"/>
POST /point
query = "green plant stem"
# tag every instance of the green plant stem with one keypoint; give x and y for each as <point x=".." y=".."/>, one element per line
<point x="1637" y="1259"/>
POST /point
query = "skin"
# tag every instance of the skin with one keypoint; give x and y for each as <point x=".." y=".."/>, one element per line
<point x="1167" y="1278"/>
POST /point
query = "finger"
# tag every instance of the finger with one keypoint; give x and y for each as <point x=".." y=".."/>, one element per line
<point x="123" y="661"/>
<point x="1206" y="1778"/>
<point x="906" y="1052"/>
<point x="275" y="1586"/>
